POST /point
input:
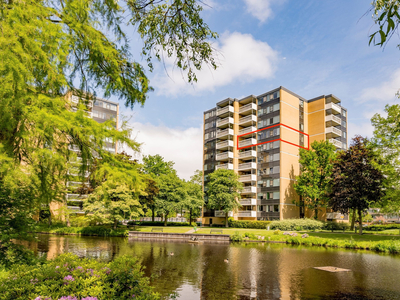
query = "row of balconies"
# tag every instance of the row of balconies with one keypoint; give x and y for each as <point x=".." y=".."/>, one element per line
<point x="242" y="110"/>
<point x="248" y="178"/>
<point x="244" y="121"/>
<point x="244" y="213"/>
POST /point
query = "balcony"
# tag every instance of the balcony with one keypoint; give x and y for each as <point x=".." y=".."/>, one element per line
<point x="225" y="110"/>
<point x="225" y="122"/>
<point x="247" y="130"/>
<point x="224" y="155"/>
<point x="226" y="166"/>
<point x="248" y="178"/>
<point x="333" y="132"/>
<point x="247" y="142"/>
<point x="71" y="197"/>
<point x="224" y="145"/>
<point x="336" y="109"/>
<point x="248" y="201"/>
<point x="336" y="143"/>
<point x="75" y="209"/>
<point x="247" y="121"/>
<point x="224" y="133"/>
<point x="247" y="214"/>
<point x="333" y="120"/>
<point x="249" y="190"/>
<point x="248" y="154"/>
<point x="248" y="108"/>
<point x="247" y="166"/>
<point x="222" y="214"/>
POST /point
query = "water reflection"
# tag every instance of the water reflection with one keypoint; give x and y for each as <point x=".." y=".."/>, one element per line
<point x="254" y="271"/>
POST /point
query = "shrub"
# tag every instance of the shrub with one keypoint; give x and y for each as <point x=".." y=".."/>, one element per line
<point x="236" y="237"/>
<point x="68" y="277"/>
<point x="382" y="227"/>
<point x="336" y="226"/>
<point x="90" y="230"/>
<point x="81" y="221"/>
<point x="157" y="223"/>
<point x="296" y="224"/>
<point x="248" y="224"/>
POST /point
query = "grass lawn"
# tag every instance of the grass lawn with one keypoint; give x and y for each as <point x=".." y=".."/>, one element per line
<point x="231" y="231"/>
<point x="354" y="236"/>
<point x="171" y="229"/>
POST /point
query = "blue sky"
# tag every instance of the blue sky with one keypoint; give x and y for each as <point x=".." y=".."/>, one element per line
<point x="310" y="47"/>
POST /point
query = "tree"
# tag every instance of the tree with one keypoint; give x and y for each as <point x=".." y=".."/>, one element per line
<point x="315" y="175"/>
<point x="194" y="190"/>
<point x="386" y="144"/>
<point x="224" y="191"/>
<point x="356" y="180"/>
<point x="112" y="203"/>
<point x="155" y="165"/>
<point x="170" y="196"/>
<point x="147" y="198"/>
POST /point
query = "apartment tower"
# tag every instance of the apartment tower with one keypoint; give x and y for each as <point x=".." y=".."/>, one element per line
<point x="259" y="137"/>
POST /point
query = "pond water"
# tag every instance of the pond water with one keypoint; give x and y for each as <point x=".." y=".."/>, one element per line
<point x="254" y="271"/>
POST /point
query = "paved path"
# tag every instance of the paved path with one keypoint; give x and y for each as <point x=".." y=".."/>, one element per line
<point x="190" y="231"/>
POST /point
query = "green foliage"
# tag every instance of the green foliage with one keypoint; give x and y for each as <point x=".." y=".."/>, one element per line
<point x="171" y="194"/>
<point x="296" y="224"/>
<point x="224" y="191"/>
<point x="87" y="230"/>
<point x="315" y="175"/>
<point x="357" y="181"/>
<point x="236" y="237"/>
<point x="248" y="224"/>
<point x="113" y="202"/>
<point x="155" y="165"/>
<point x="336" y="226"/>
<point x="194" y="200"/>
<point x="382" y="227"/>
<point x="159" y="223"/>
<point x="386" y="16"/>
<point x="68" y="275"/>
<point x="386" y="143"/>
<point x="81" y="221"/>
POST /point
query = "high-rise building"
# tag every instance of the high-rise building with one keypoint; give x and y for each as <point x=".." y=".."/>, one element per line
<point x="99" y="110"/>
<point x="259" y="137"/>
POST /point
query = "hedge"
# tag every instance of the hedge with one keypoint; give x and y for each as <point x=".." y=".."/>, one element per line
<point x="382" y="227"/>
<point x="248" y="224"/>
<point x="157" y="223"/>
<point x="297" y="224"/>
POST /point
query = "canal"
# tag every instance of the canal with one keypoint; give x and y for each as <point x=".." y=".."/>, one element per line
<point x="254" y="270"/>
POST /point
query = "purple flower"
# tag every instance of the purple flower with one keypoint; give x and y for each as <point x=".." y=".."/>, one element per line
<point x="68" y="298"/>
<point x="304" y="236"/>
<point x="286" y="233"/>
<point x="66" y="265"/>
<point x="79" y="268"/>
<point x="90" y="298"/>
<point x="293" y="234"/>
<point x="42" y="298"/>
<point x="68" y="279"/>
<point x="133" y="296"/>
<point x="90" y="271"/>
<point x="57" y="267"/>
<point x="33" y="281"/>
<point x="108" y="270"/>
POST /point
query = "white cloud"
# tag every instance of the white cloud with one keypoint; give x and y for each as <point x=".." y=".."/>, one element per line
<point x="362" y="128"/>
<point x="384" y="92"/>
<point x="261" y="9"/>
<point x="241" y="57"/>
<point x="182" y="146"/>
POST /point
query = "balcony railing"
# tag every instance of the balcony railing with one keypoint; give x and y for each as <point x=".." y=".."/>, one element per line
<point x="249" y="189"/>
<point x="247" y="213"/>
<point x="247" y="154"/>
<point x="247" y="130"/>
<point x="336" y="143"/>
<point x="334" y="131"/>
<point x="245" y="120"/>
<point x="247" y="142"/>
<point x="224" y="155"/>
<point x="333" y="119"/>
<point x="224" y="144"/>
<point x="225" y="132"/>
<point x="247" y="178"/>
<point x="335" y="108"/>
<point x="248" y="201"/>
<point x="247" y="166"/>
<point x="224" y="121"/>
<point x="222" y="214"/>
<point x="247" y="107"/>
<point x="224" y="110"/>
<point x="224" y="166"/>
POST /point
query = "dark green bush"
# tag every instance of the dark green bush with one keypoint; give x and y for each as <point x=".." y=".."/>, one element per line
<point x="336" y="226"/>
<point x="80" y="279"/>
<point x="248" y="224"/>
<point x="382" y="227"/>
<point x="89" y="230"/>
<point x="296" y="224"/>
<point x="160" y="223"/>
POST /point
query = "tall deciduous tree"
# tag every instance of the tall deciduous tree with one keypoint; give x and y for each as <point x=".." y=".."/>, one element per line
<point x="315" y="175"/>
<point x="171" y="195"/>
<point x="356" y="180"/>
<point x="224" y="191"/>
<point x="194" y="199"/>
<point x="386" y="143"/>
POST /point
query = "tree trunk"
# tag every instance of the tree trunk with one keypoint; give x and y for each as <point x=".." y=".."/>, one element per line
<point x="360" y="220"/>
<point x="316" y="213"/>
<point x="49" y="219"/>
<point x="165" y="219"/>
<point x="190" y="217"/>
<point x="115" y="223"/>
<point x="226" y="220"/>
<point x="152" y="213"/>
<point x="353" y="220"/>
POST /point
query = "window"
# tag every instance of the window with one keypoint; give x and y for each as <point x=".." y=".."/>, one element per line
<point x="301" y="103"/>
<point x="207" y="116"/>
<point x="276" y="195"/>
<point x="276" y="208"/>
<point x="344" y="124"/>
<point x="344" y="134"/>
<point x="75" y="99"/>
<point x="343" y="113"/>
